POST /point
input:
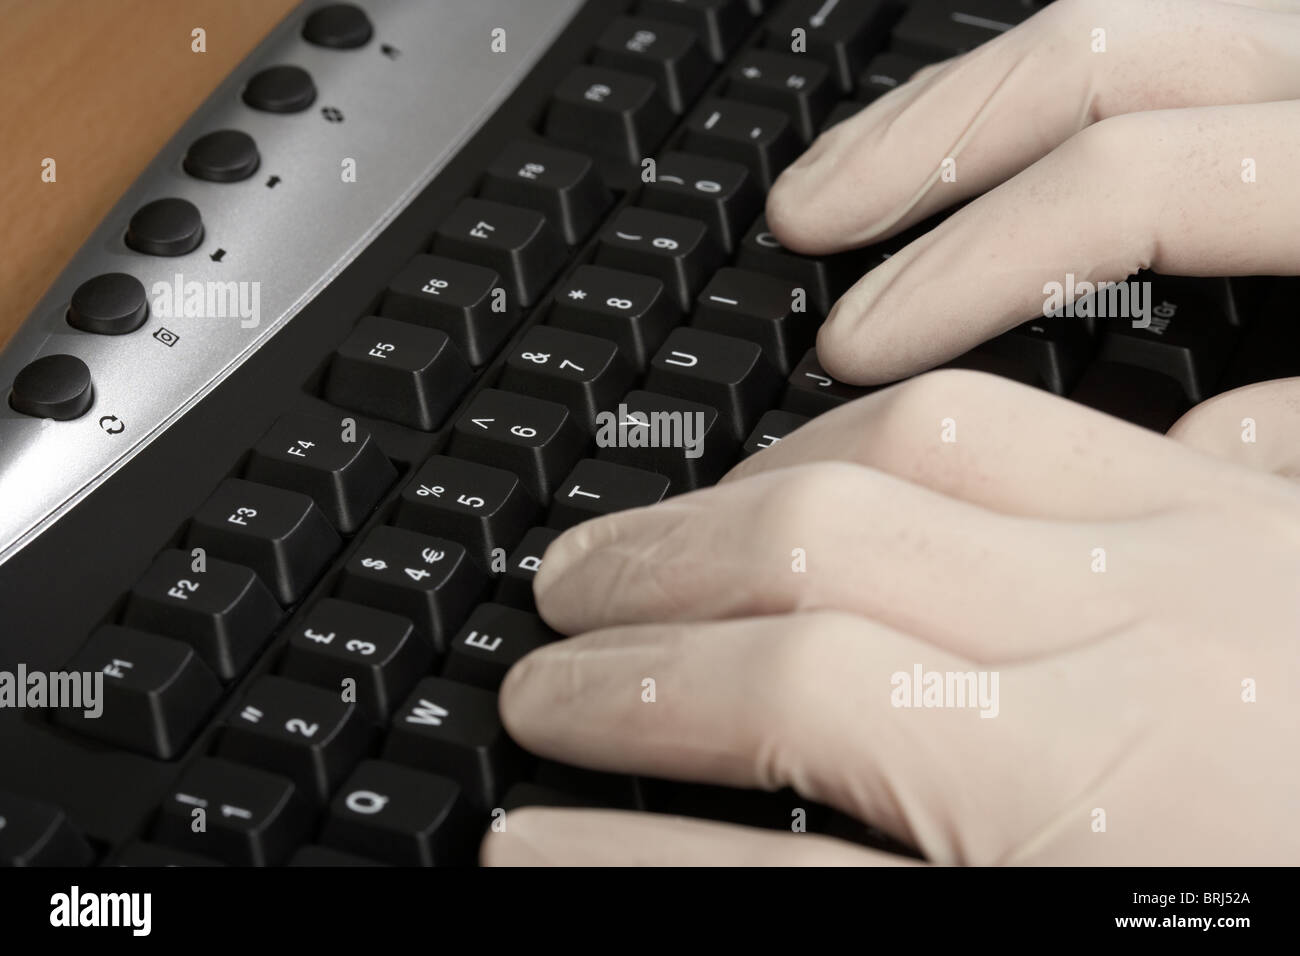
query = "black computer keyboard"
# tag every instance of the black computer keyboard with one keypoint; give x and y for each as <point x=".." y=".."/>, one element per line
<point x="294" y="520"/>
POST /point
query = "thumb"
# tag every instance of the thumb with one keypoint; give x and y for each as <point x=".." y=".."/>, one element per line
<point x="1257" y="426"/>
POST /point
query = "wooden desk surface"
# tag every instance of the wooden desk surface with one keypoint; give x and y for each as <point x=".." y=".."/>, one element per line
<point x="99" y="86"/>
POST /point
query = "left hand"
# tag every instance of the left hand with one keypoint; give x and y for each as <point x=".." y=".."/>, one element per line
<point x="1121" y="684"/>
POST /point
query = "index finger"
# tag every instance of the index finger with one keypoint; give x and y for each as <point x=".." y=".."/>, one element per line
<point x="964" y="126"/>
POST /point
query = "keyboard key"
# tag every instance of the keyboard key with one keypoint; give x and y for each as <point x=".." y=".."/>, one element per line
<point x="1188" y="338"/>
<point x="801" y="88"/>
<point x="579" y="371"/>
<point x="728" y="374"/>
<point x="454" y="729"/>
<point x="534" y="795"/>
<point x="591" y="788"/>
<point x="885" y="73"/>
<point x="280" y="534"/>
<point x="720" y="24"/>
<point x="154" y="856"/>
<point x="635" y="312"/>
<point x="516" y="585"/>
<point x="538" y="440"/>
<point x="430" y="581"/>
<point x="487" y="509"/>
<point x="467" y="302"/>
<point x="767" y="311"/>
<point x="718" y="193"/>
<point x="595" y="488"/>
<point x="676" y="250"/>
<point x="224" y="612"/>
<point x="772" y="810"/>
<point x="938" y="29"/>
<point x="810" y="391"/>
<point x="1135" y="394"/>
<point x="761" y="251"/>
<point x="38" y="834"/>
<point x="562" y="185"/>
<point x="378" y="651"/>
<point x="682" y="440"/>
<point x="667" y="53"/>
<point x="616" y="114"/>
<point x="1271" y="348"/>
<point x="401" y="816"/>
<point x="843" y="34"/>
<point x="1056" y="348"/>
<point x="398" y="371"/>
<point x="494" y="637"/>
<point x="309" y="734"/>
<point x="761" y="139"/>
<point x="339" y="466"/>
<point x="518" y="244"/>
<point x="156" y="692"/>
<point x="313" y="855"/>
<point x="250" y="817"/>
<point x="845" y="109"/>
<point x="1014" y="366"/>
<point x="773" y="427"/>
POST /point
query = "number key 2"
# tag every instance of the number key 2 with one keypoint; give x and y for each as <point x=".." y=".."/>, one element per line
<point x="309" y="734"/>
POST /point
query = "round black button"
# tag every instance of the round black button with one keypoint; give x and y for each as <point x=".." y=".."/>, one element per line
<point x="56" y="386"/>
<point x="225" y="156"/>
<point x="165" y="227"/>
<point x="111" y="304"/>
<point x="340" y="26"/>
<point x="281" y="89"/>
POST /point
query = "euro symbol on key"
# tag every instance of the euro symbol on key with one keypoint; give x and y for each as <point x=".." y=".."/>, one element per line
<point x="432" y="555"/>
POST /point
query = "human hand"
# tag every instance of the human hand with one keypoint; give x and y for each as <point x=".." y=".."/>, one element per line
<point x="1137" y="600"/>
<point x="1125" y="690"/>
<point x="1095" y="163"/>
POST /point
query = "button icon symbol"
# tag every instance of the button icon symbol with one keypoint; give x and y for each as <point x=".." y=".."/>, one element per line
<point x="112" y="424"/>
<point x="166" y="336"/>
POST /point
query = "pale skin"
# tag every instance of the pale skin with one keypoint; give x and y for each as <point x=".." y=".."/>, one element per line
<point x="1152" y="690"/>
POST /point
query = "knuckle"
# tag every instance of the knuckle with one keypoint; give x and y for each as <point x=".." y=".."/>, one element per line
<point x="1105" y="143"/>
<point x="925" y="400"/>
<point x="796" y="505"/>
